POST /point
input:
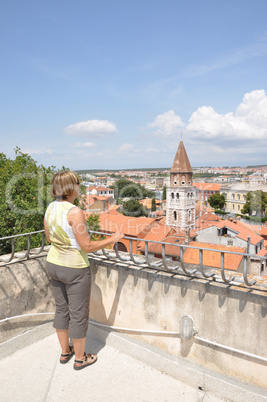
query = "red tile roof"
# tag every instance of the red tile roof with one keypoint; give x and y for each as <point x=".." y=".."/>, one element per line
<point x="126" y="224"/>
<point x="213" y="258"/>
<point x="243" y="230"/>
<point x="147" y="202"/>
<point x="90" y="199"/>
<point x="262" y="252"/>
<point x="170" y="250"/>
<point x="98" y="188"/>
<point x="157" y="232"/>
<point x="208" y="186"/>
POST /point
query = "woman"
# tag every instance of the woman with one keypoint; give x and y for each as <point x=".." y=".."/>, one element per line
<point x="68" y="267"/>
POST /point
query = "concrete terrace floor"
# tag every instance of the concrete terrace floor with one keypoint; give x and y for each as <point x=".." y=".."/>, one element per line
<point x="126" y="370"/>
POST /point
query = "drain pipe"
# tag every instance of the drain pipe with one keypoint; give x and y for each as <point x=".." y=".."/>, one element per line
<point x="187" y="331"/>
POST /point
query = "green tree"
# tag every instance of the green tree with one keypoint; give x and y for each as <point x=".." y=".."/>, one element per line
<point x="217" y="201"/>
<point x="93" y="224"/>
<point x="24" y="196"/>
<point x="134" y="208"/>
<point x="127" y="189"/>
<point x="256" y="202"/>
<point x="153" y="205"/>
<point x="147" y="193"/>
<point x="164" y="193"/>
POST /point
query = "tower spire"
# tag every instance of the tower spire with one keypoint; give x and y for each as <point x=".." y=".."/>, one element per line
<point x="181" y="162"/>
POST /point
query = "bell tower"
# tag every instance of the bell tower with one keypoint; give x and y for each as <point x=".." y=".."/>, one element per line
<point x="181" y="194"/>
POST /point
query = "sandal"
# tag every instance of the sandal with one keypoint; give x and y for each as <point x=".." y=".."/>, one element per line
<point x="88" y="360"/>
<point x="67" y="356"/>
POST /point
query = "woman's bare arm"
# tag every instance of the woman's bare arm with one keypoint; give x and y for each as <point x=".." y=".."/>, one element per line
<point x="46" y="231"/>
<point x="77" y="221"/>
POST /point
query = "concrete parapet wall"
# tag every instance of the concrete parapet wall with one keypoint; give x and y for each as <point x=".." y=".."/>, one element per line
<point x="124" y="295"/>
<point x="131" y="297"/>
<point x="24" y="289"/>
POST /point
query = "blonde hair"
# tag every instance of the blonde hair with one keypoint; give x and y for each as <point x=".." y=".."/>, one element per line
<point x="63" y="184"/>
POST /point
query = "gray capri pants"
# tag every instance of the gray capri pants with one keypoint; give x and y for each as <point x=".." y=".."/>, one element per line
<point x="71" y="289"/>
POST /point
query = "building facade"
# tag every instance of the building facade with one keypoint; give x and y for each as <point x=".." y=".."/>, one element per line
<point x="235" y="195"/>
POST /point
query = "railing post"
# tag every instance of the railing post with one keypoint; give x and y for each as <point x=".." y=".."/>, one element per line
<point x="201" y="266"/>
<point x="226" y="280"/>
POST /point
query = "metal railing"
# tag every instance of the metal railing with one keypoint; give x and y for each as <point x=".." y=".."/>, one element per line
<point x="24" y="254"/>
<point x="181" y="266"/>
<point x="212" y="273"/>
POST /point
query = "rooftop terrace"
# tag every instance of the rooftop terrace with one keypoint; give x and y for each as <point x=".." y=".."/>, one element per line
<point x="137" y="307"/>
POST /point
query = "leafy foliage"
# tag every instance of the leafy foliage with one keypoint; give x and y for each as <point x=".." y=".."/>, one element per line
<point x="127" y="189"/>
<point x="134" y="208"/>
<point x="256" y="202"/>
<point x="24" y="196"/>
<point x="217" y="201"/>
<point x="93" y="223"/>
<point x="164" y="193"/>
<point x="153" y="205"/>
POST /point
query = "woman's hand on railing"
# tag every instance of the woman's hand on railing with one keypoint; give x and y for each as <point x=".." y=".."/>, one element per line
<point x="116" y="237"/>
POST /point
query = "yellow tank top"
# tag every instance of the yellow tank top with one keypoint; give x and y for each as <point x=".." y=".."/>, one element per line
<point x="65" y="250"/>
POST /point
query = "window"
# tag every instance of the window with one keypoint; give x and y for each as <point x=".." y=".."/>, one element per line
<point x="175" y="215"/>
<point x="238" y="197"/>
<point x="172" y="195"/>
<point x="177" y="196"/>
<point x="233" y="196"/>
<point x="233" y="206"/>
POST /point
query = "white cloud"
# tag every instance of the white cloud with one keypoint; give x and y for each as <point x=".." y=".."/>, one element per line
<point x="167" y="124"/>
<point x="83" y="145"/>
<point x="126" y="148"/>
<point x="248" y="122"/>
<point x="91" y="128"/>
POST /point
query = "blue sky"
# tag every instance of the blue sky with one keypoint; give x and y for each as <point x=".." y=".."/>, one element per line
<point x="116" y="84"/>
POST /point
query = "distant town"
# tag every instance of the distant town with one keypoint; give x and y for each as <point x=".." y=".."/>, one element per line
<point x="209" y="207"/>
<point x="208" y="180"/>
<point x="156" y="176"/>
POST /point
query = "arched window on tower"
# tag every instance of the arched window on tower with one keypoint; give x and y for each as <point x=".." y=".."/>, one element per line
<point x="175" y="215"/>
<point x="189" y="216"/>
<point x="177" y="196"/>
<point x="172" y="195"/>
